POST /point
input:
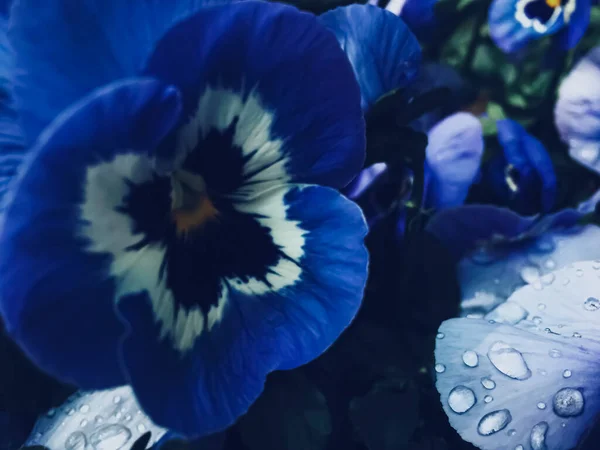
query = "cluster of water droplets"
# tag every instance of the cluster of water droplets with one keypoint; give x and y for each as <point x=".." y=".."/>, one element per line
<point x="102" y="420"/>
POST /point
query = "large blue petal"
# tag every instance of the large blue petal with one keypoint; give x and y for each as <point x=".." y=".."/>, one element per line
<point x="420" y="16"/>
<point x="578" y="24"/>
<point x="57" y="294"/>
<point x="93" y="42"/>
<point x="454" y="155"/>
<point x="276" y="71"/>
<point x="255" y="331"/>
<point x="511" y="29"/>
<point x="384" y="53"/>
<point x="531" y="380"/>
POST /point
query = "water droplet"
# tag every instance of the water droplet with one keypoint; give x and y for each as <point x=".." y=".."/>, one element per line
<point x="550" y="264"/>
<point x="542" y="372"/>
<point x="493" y="422"/>
<point x="530" y="274"/>
<point x="128" y="417"/>
<point x="98" y="419"/>
<point x="118" y="415"/>
<point x="537" y="320"/>
<point x="76" y="441"/>
<point x="440" y="336"/>
<point x="568" y="402"/>
<point x="592" y="304"/>
<point x="579" y="272"/>
<point x="117" y="399"/>
<point x="537" y="439"/>
<point x="554" y="353"/>
<point x="564" y="425"/>
<point x="470" y="358"/>
<point x="565" y="281"/>
<point x="461" y="399"/>
<point x="51" y="412"/>
<point x="141" y="427"/>
<point x="548" y="279"/>
<point x="512" y="432"/>
<point x="509" y="312"/>
<point x="519" y="447"/>
<point x="541" y="306"/>
<point x="110" y="437"/>
<point x="83" y="423"/>
<point x="488" y="383"/>
<point x="541" y="405"/>
<point x="70" y="412"/>
<point x="509" y="361"/>
<point x="567" y="374"/>
<point x="576" y="335"/>
<point x="440" y="368"/>
<point x="596" y="265"/>
<point x="488" y="398"/>
<point x="84" y="408"/>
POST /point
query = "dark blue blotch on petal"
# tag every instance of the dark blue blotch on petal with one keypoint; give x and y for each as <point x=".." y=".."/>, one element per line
<point x="205" y="390"/>
<point x="295" y="67"/>
<point x="384" y="53"/>
<point x="66" y="48"/>
<point x="56" y="298"/>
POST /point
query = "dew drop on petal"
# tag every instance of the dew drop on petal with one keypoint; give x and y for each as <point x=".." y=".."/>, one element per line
<point x="566" y="281"/>
<point x="117" y="399"/>
<point x="579" y="272"/>
<point x="70" y="412"/>
<point x="519" y="447"/>
<point x="567" y="374"/>
<point x="488" y="383"/>
<point x="541" y="405"/>
<point x="542" y="372"/>
<point x="461" y="399"/>
<point x="110" y="437"/>
<point x="508" y="361"/>
<point x="530" y="274"/>
<point x="84" y="408"/>
<point x="596" y="264"/>
<point x="141" y="427"/>
<point x="576" y="335"/>
<point x="76" y="441"/>
<point x="51" y="412"/>
<point x="83" y="423"/>
<point x="537" y="320"/>
<point x="509" y="312"/>
<point x="550" y="264"/>
<point x="548" y="279"/>
<point x="440" y="336"/>
<point x="537" y="439"/>
<point x="541" y="306"/>
<point x="493" y="422"/>
<point x="128" y="417"/>
<point x="488" y="399"/>
<point x="592" y="304"/>
<point x="554" y="353"/>
<point x="98" y="419"/>
<point x="440" y="368"/>
<point x="512" y="432"/>
<point x="470" y="358"/>
<point x="568" y="402"/>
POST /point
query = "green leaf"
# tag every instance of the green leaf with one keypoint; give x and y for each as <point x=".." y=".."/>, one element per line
<point x="386" y="418"/>
<point x="291" y="414"/>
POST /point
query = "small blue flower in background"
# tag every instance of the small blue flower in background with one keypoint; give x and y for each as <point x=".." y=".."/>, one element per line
<point x="577" y="111"/>
<point x="522" y="175"/>
<point x="527" y="378"/>
<point x="453" y="157"/>
<point x="174" y="226"/>
<point x="514" y="23"/>
<point x="384" y="53"/>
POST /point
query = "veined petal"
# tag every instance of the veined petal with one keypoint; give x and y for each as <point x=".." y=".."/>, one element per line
<point x="384" y="54"/>
<point x="258" y="325"/>
<point x="513" y="23"/>
<point x="94" y="42"/>
<point x="454" y="154"/>
<point x="54" y="275"/>
<point x="516" y="384"/>
<point x="280" y="78"/>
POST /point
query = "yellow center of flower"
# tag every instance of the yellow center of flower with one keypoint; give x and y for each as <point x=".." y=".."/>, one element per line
<point x="192" y="207"/>
<point x="553" y="3"/>
<point x="188" y="219"/>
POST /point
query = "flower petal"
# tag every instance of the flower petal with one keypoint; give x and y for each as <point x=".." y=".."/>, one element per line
<point x="285" y="79"/>
<point x="52" y="278"/>
<point x="255" y="329"/>
<point x="454" y="154"/>
<point x="94" y="42"/>
<point x="420" y="16"/>
<point x="511" y="28"/>
<point x="504" y="386"/>
<point x="578" y="24"/>
<point x="384" y="53"/>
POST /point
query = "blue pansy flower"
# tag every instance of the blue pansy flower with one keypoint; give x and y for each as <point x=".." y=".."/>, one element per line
<point x="453" y="158"/>
<point x="419" y="15"/>
<point x="175" y="225"/>
<point x="522" y="175"/>
<point x="577" y="111"/>
<point x="526" y="377"/>
<point x="514" y="23"/>
<point x="384" y="53"/>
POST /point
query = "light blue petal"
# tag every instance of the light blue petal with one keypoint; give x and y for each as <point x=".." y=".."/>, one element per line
<point x="254" y="330"/>
<point x="65" y="48"/>
<point x="384" y="53"/>
<point x="454" y="155"/>
<point x="57" y="294"/>
<point x="510" y="27"/>
<point x="282" y="77"/>
<point x="512" y="384"/>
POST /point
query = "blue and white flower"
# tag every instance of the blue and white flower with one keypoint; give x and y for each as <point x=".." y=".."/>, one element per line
<point x="174" y="225"/>
<point x="514" y="23"/>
